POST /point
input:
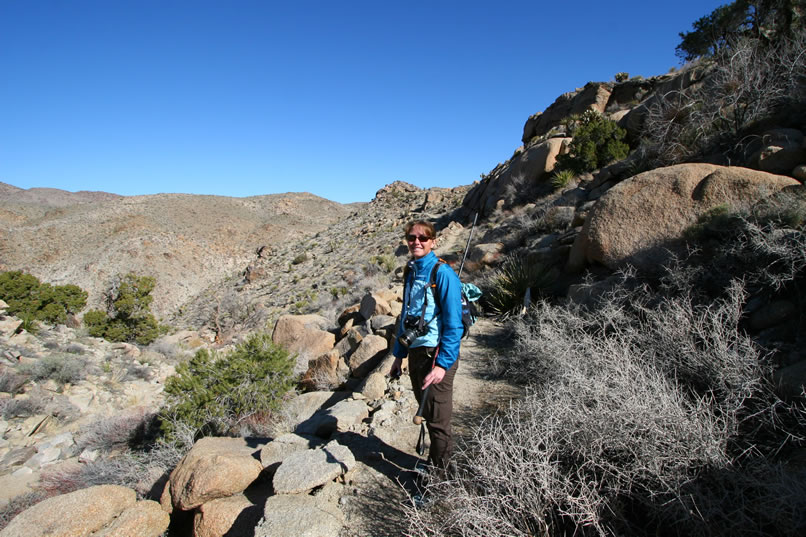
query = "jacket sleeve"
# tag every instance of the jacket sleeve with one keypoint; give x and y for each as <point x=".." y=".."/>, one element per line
<point x="450" y="319"/>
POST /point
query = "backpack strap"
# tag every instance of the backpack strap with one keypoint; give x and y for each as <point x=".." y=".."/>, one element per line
<point x="432" y="282"/>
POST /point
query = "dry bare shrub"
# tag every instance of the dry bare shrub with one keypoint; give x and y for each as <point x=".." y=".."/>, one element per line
<point x="18" y="504"/>
<point x="646" y="416"/>
<point x="173" y="352"/>
<point x="74" y="348"/>
<point x="669" y="128"/>
<point x="752" y="80"/>
<point x="35" y="403"/>
<point x="11" y="381"/>
<point x="62" y="368"/>
<point x="120" y="431"/>
<point x="128" y="469"/>
<point x="137" y="371"/>
<point x="515" y="189"/>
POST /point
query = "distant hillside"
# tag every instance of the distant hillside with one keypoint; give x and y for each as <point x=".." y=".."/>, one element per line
<point x="186" y="241"/>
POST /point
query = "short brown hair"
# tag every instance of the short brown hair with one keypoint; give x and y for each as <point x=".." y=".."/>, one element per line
<point x="432" y="233"/>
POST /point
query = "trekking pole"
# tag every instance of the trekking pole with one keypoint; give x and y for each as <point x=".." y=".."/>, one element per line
<point x="467" y="246"/>
<point x="419" y="420"/>
<point x="418" y="417"/>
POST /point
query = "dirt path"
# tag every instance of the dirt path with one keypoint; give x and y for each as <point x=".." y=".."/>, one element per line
<point x="476" y="394"/>
<point x="380" y="486"/>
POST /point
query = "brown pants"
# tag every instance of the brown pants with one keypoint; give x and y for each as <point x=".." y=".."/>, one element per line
<point x="438" y="407"/>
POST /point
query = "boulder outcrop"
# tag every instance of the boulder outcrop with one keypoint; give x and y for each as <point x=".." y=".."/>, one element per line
<point x="637" y="220"/>
<point x="214" y="468"/>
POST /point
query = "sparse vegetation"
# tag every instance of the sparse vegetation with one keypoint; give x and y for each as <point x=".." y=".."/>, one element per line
<point x="650" y="409"/>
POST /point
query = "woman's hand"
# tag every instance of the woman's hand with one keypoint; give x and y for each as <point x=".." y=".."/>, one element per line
<point x="396" y="369"/>
<point x="434" y="377"/>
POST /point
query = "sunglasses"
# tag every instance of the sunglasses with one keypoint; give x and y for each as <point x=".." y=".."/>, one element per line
<point x="422" y="238"/>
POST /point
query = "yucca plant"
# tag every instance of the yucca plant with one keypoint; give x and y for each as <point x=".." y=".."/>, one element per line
<point x="561" y="178"/>
<point x="518" y="274"/>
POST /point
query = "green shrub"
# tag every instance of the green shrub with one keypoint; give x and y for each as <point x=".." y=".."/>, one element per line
<point x="338" y="292"/>
<point x="212" y="393"/>
<point x="715" y="223"/>
<point x="128" y="316"/>
<point x="31" y="300"/>
<point x="597" y="141"/>
<point x="717" y="31"/>
<point x="301" y="258"/>
<point x="622" y="77"/>
<point x="387" y="262"/>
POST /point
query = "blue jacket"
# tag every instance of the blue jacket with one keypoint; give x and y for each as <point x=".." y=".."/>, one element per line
<point x="444" y="322"/>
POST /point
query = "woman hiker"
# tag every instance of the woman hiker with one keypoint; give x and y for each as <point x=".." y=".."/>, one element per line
<point x="429" y="332"/>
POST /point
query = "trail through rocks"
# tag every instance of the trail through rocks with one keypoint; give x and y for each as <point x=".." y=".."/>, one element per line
<point x="380" y="488"/>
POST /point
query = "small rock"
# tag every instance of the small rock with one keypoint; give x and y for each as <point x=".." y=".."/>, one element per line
<point x="300" y="516"/>
<point x="306" y="470"/>
<point x="88" y="455"/>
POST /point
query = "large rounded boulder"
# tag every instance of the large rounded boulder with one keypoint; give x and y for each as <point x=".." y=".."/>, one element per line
<point x="640" y="219"/>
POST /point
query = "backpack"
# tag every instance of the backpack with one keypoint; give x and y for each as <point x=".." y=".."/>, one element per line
<point x="470" y="294"/>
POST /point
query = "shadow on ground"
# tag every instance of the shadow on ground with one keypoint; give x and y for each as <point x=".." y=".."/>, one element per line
<point x="375" y="505"/>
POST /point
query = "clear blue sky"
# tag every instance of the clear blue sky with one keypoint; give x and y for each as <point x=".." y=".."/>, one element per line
<point x="336" y="98"/>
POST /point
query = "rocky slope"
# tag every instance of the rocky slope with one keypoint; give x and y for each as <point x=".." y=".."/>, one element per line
<point x="187" y="242"/>
<point x="326" y="269"/>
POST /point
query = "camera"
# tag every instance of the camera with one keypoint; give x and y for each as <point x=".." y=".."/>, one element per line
<point x="411" y="331"/>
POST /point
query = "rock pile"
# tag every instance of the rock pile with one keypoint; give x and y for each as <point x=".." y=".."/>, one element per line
<point x="233" y="486"/>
